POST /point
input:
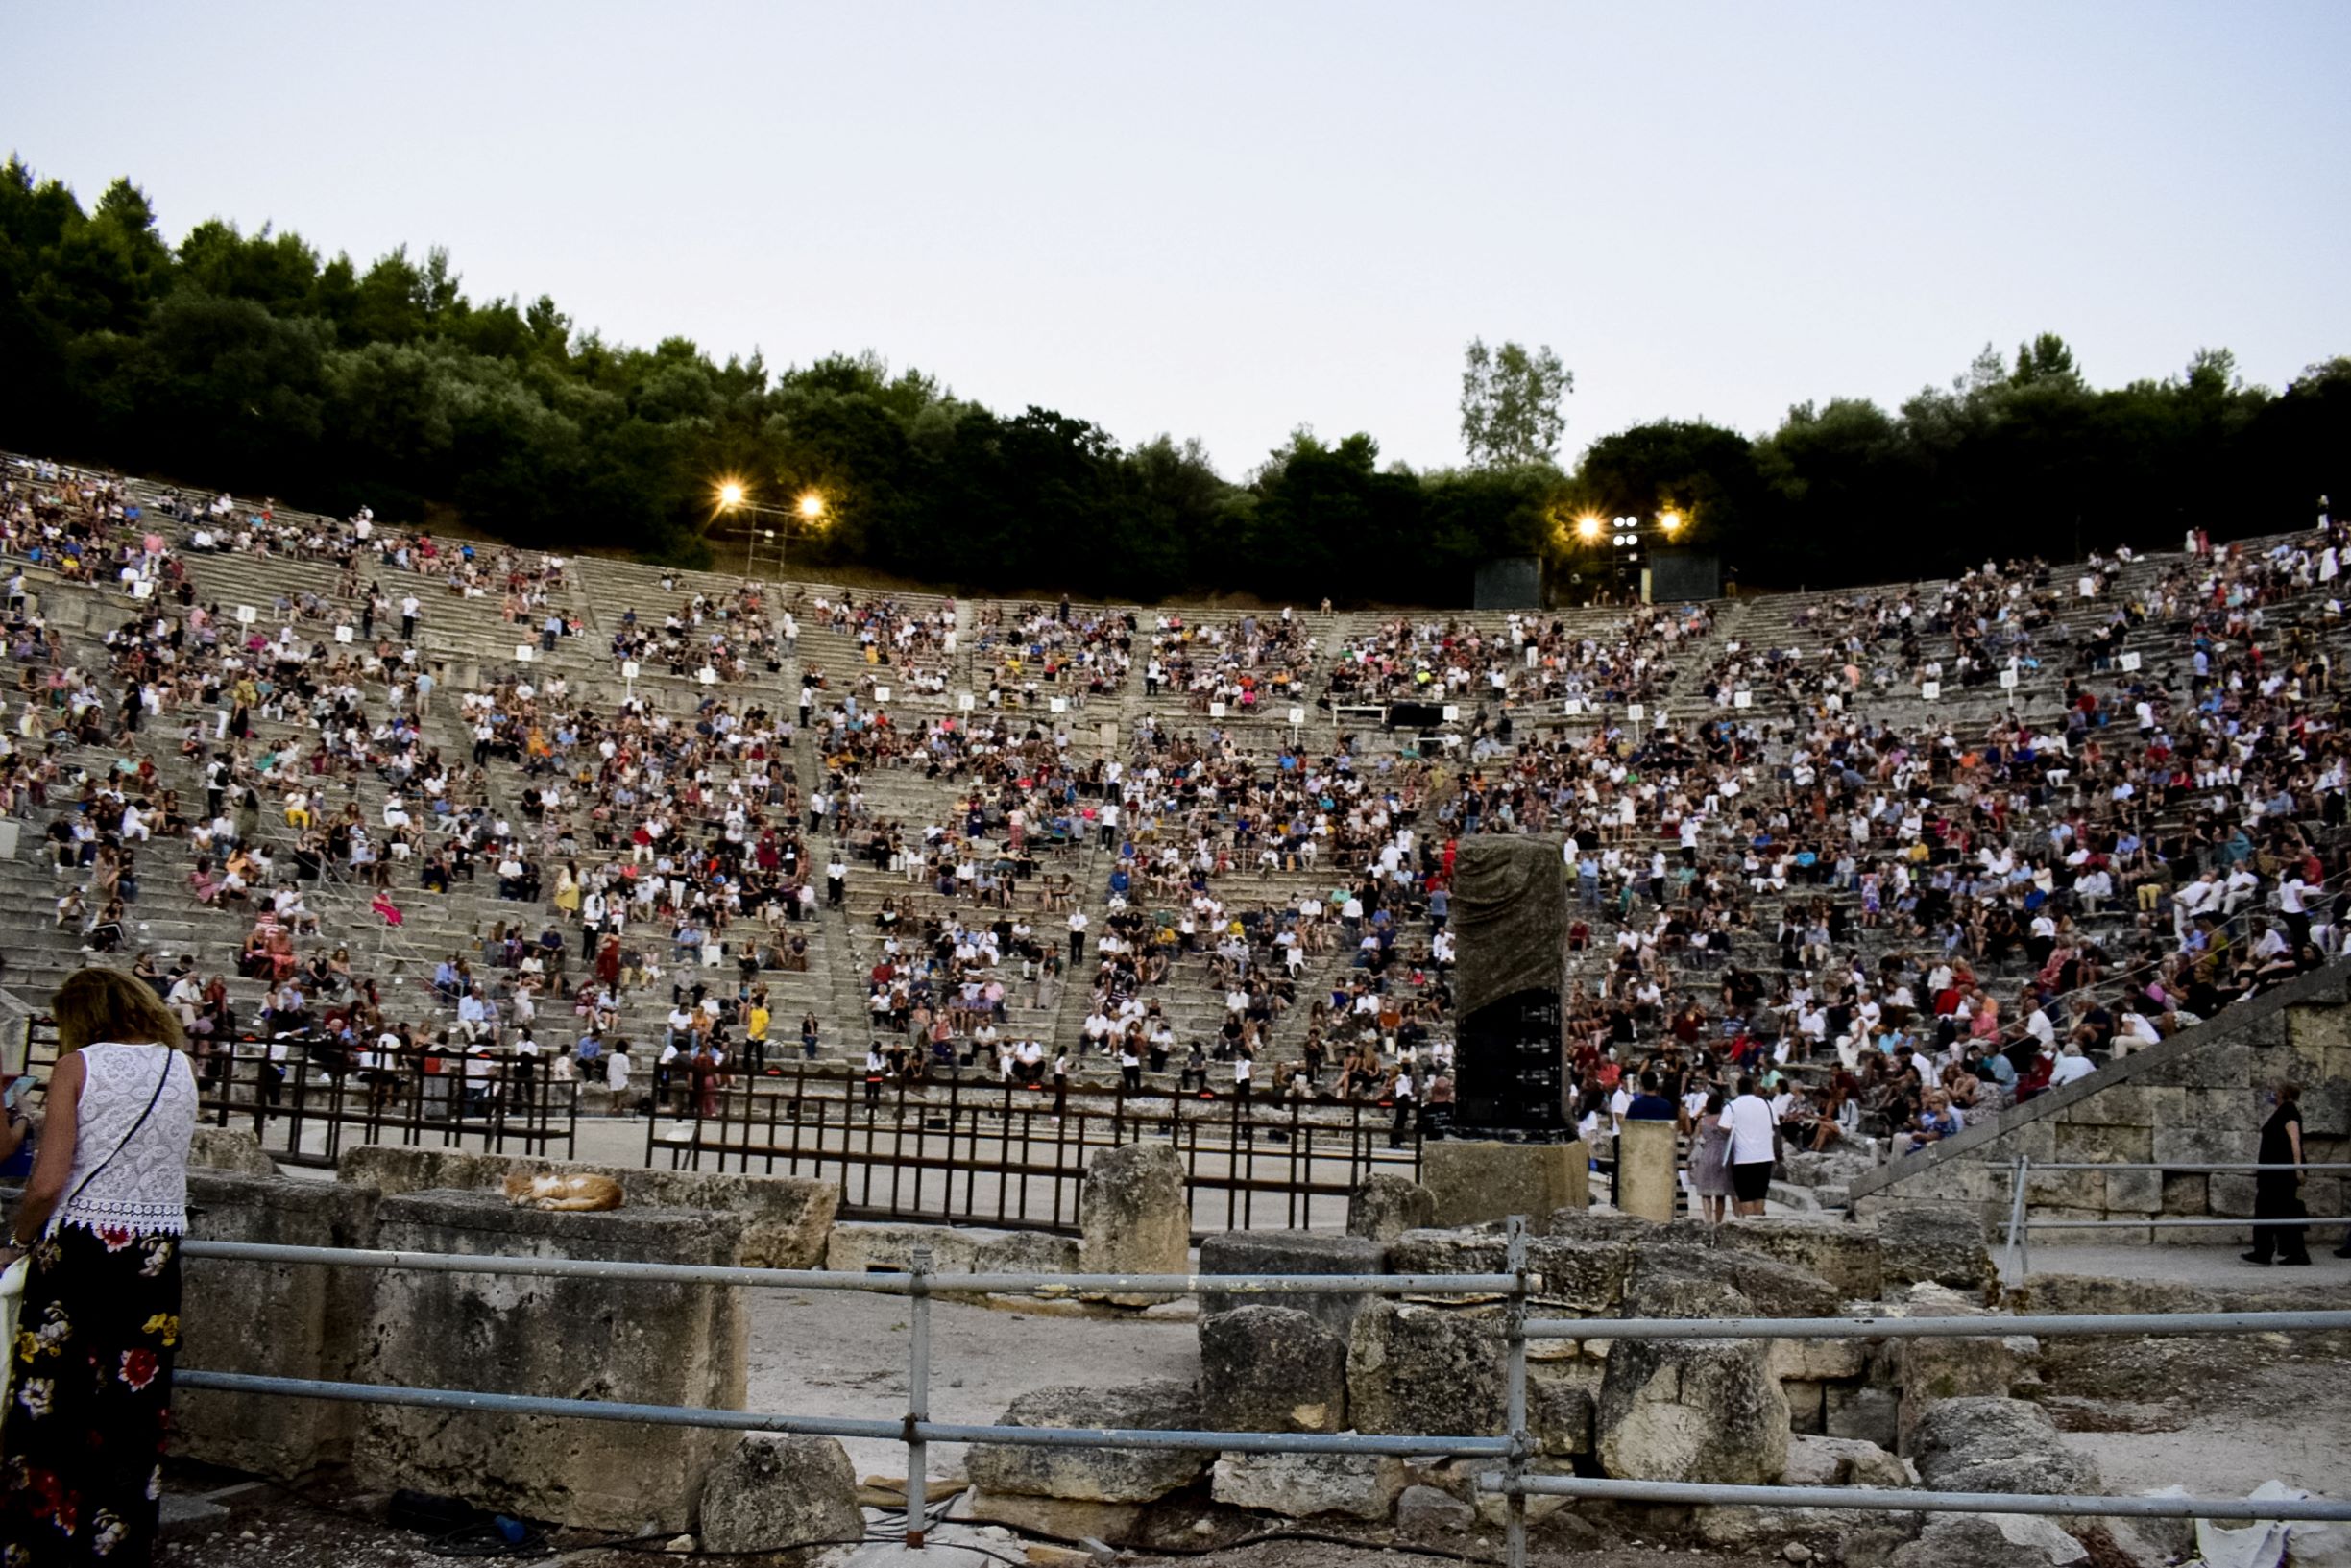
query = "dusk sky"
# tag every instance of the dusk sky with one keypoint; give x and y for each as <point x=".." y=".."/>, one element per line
<point x="1228" y="220"/>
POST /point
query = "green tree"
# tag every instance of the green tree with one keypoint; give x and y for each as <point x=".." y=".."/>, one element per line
<point x="1510" y="404"/>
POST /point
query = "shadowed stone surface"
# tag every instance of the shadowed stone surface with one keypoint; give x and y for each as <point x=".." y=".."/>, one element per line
<point x="1291" y="1252"/>
<point x="1266" y="1368"/>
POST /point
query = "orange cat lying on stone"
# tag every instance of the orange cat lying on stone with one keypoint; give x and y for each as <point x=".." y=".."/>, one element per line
<point x="578" y="1190"/>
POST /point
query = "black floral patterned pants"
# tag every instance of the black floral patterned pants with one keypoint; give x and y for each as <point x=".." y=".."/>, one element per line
<point x="89" y="1400"/>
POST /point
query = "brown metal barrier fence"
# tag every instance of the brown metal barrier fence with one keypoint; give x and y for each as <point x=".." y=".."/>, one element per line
<point x="308" y="1096"/>
<point x="1015" y="1155"/>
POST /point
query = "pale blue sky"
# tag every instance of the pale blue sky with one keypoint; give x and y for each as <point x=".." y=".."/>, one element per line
<point x="1224" y="220"/>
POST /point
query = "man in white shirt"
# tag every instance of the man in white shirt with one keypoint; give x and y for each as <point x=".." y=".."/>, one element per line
<point x="1753" y="1129"/>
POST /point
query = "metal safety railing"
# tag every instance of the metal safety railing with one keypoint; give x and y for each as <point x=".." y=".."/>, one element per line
<point x="1514" y="1446"/>
<point x="2021" y="1222"/>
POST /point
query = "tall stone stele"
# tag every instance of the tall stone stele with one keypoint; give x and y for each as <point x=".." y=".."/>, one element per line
<point x="1514" y="1148"/>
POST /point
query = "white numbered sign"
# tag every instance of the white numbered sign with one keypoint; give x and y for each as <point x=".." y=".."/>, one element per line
<point x="1931" y="689"/>
<point x="882" y="693"/>
<point x="965" y="702"/>
<point x="247" y="614"/>
<point x="1298" y="716"/>
<point x="1742" y="699"/>
<point x="524" y="653"/>
<point x="1060" y="705"/>
<point x="1216" y="709"/>
<point x="2008" y="679"/>
<point x="1636" y="712"/>
<point x="628" y="669"/>
<point x="2130" y="661"/>
<point x="343" y="634"/>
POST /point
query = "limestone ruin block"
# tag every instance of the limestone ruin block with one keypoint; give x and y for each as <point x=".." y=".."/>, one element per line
<point x="1424" y="1369"/>
<point x="1996" y="1445"/>
<point x="1267" y="1368"/>
<point x="1095" y="1475"/>
<point x="1940" y="1243"/>
<point x="767" y="1490"/>
<point x="1135" y="1218"/>
<point x="1690" y="1410"/>
<point x="1291" y="1252"/>
<point x="1386" y="1206"/>
<point x="1303" y="1485"/>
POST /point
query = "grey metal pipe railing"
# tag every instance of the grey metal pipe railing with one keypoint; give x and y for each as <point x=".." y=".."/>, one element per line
<point x="828" y="1426"/>
<point x="1915" y="1500"/>
<point x="1987" y="1326"/>
<point x="2022" y="1224"/>
<point x="817" y="1279"/>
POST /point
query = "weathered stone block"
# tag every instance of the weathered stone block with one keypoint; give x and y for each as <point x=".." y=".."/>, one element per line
<point x="1996" y="1445"/>
<point x="1586" y="1278"/>
<point x="1940" y="1242"/>
<point x="1559" y="1415"/>
<point x="2200" y="1146"/>
<point x="1415" y="1369"/>
<point x="2236" y="1108"/>
<point x="1386" y="1206"/>
<point x="2115" y="1105"/>
<point x="1068" y="1519"/>
<point x="1447" y="1253"/>
<point x="766" y="1489"/>
<point x="787" y="1219"/>
<point x="2232" y="1194"/>
<point x="1690" y="1410"/>
<point x="1843" y="1461"/>
<point x="1474" y="1183"/>
<point x="862" y="1247"/>
<point x="1307" y="1485"/>
<point x="1095" y="1475"/>
<point x="1271" y="1368"/>
<point x="1820" y="1361"/>
<point x="229" y="1148"/>
<point x="275" y="1319"/>
<point x="1806" y="1405"/>
<point x="1935" y="1370"/>
<point x="1866" y="1414"/>
<point x="579" y="1338"/>
<point x="1842" y="1253"/>
<point x="1990" y="1540"/>
<point x="1771" y="1287"/>
<point x="1134" y="1213"/>
<point x="2134" y="1192"/>
<point x="2127" y="1145"/>
<point x="1292" y="1252"/>
<point x="2320" y="1026"/>
<point x="2186" y="1193"/>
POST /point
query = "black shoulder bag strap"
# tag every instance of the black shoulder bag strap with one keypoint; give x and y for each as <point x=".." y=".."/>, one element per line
<point x="162" y="1079"/>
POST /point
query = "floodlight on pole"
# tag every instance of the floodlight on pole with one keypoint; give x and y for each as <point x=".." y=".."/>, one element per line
<point x="730" y="494"/>
<point x="1587" y="528"/>
<point x="811" y="506"/>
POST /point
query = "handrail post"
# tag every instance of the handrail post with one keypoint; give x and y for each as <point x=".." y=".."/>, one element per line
<point x="2023" y="1217"/>
<point x="2016" y="1212"/>
<point x="1515" y="1385"/>
<point x="918" y="1400"/>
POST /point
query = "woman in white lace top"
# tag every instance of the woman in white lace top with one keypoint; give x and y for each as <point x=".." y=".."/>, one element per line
<point x="82" y="1437"/>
